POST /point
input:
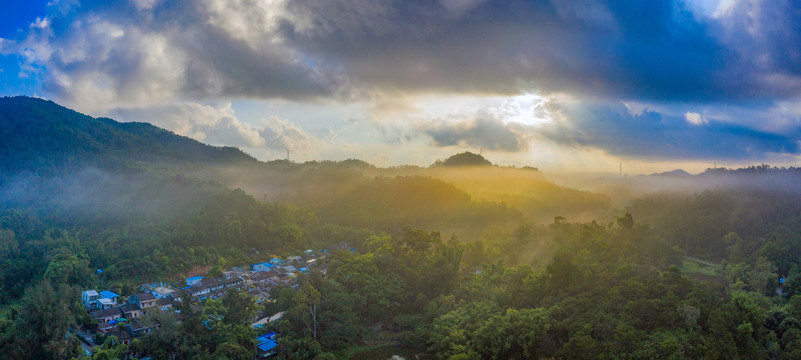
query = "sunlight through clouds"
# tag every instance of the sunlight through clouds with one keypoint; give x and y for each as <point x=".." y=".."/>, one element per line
<point x="441" y="75"/>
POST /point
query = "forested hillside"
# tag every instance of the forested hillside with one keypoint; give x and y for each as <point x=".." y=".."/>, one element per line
<point x="460" y="260"/>
<point x="43" y="137"/>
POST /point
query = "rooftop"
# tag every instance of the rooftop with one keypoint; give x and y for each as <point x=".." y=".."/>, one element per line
<point x="106" y="301"/>
<point x="108" y="294"/>
<point x="105" y="312"/>
<point x="267" y="345"/>
<point x="129" y="307"/>
<point x="145" y="297"/>
<point x="164" y="290"/>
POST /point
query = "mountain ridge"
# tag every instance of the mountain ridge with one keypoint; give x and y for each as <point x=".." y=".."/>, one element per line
<point x="37" y="133"/>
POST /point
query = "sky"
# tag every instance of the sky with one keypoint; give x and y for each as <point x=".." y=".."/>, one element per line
<point x="565" y="85"/>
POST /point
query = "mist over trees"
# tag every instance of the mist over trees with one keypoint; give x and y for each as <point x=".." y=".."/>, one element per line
<point x="460" y="260"/>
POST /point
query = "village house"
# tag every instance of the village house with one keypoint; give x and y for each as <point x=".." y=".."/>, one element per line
<point x="130" y="331"/>
<point x="162" y="292"/>
<point x="234" y="283"/>
<point x="106" y="314"/>
<point x="137" y="328"/>
<point x="105" y="303"/>
<point x="234" y="273"/>
<point x="105" y="294"/>
<point x="164" y="304"/>
<point x="198" y="292"/>
<point x="261" y="266"/>
<point x="273" y="275"/>
<point x="89" y="299"/>
<point x="131" y="311"/>
<point x="105" y="326"/>
<point x="122" y="334"/>
<point x="144" y="300"/>
<point x="215" y="285"/>
<point x="192" y="281"/>
<point x="259" y="278"/>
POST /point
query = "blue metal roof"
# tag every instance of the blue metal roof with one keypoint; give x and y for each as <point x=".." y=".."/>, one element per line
<point x="267" y="345"/>
<point x="195" y="278"/>
<point x="266" y="337"/>
<point x="105" y="294"/>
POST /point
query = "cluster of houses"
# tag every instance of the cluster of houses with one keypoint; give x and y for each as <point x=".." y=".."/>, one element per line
<point x="120" y="316"/>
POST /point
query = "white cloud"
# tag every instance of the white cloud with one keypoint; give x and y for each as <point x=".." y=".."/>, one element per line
<point x="528" y="109"/>
<point x="280" y="134"/>
<point x="695" y="118"/>
<point x="99" y="64"/>
<point x="213" y="124"/>
<point x="252" y="21"/>
<point x="145" y="4"/>
<point x="218" y="124"/>
<point x="143" y="54"/>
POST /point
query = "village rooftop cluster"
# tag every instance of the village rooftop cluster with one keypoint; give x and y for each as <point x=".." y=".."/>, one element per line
<point x="120" y="316"/>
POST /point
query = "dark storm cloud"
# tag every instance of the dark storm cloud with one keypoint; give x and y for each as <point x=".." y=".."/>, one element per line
<point x="485" y="131"/>
<point x="120" y="53"/>
<point x="102" y="55"/>
<point x="647" y="50"/>
<point x="653" y="135"/>
<point x="301" y="49"/>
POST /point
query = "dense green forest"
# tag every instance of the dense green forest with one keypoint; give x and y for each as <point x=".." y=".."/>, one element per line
<point x="461" y="260"/>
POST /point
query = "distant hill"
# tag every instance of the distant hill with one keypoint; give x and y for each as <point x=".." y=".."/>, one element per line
<point x="464" y="159"/>
<point x="42" y="136"/>
<point x="674" y="173"/>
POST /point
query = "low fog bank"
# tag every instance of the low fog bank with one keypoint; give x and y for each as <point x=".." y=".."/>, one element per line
<point x="320" y="184"/>
<point x="468" y="201"/>
<point x="539" y="196"/>
<point x="93" y="193"/>
<point x="622" y="190"/>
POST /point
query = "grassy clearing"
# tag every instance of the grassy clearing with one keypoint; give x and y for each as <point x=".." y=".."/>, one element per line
<point x="693" y="267"/>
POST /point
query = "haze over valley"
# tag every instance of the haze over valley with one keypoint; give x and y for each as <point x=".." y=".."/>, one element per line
<point x="450" y="179"/>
